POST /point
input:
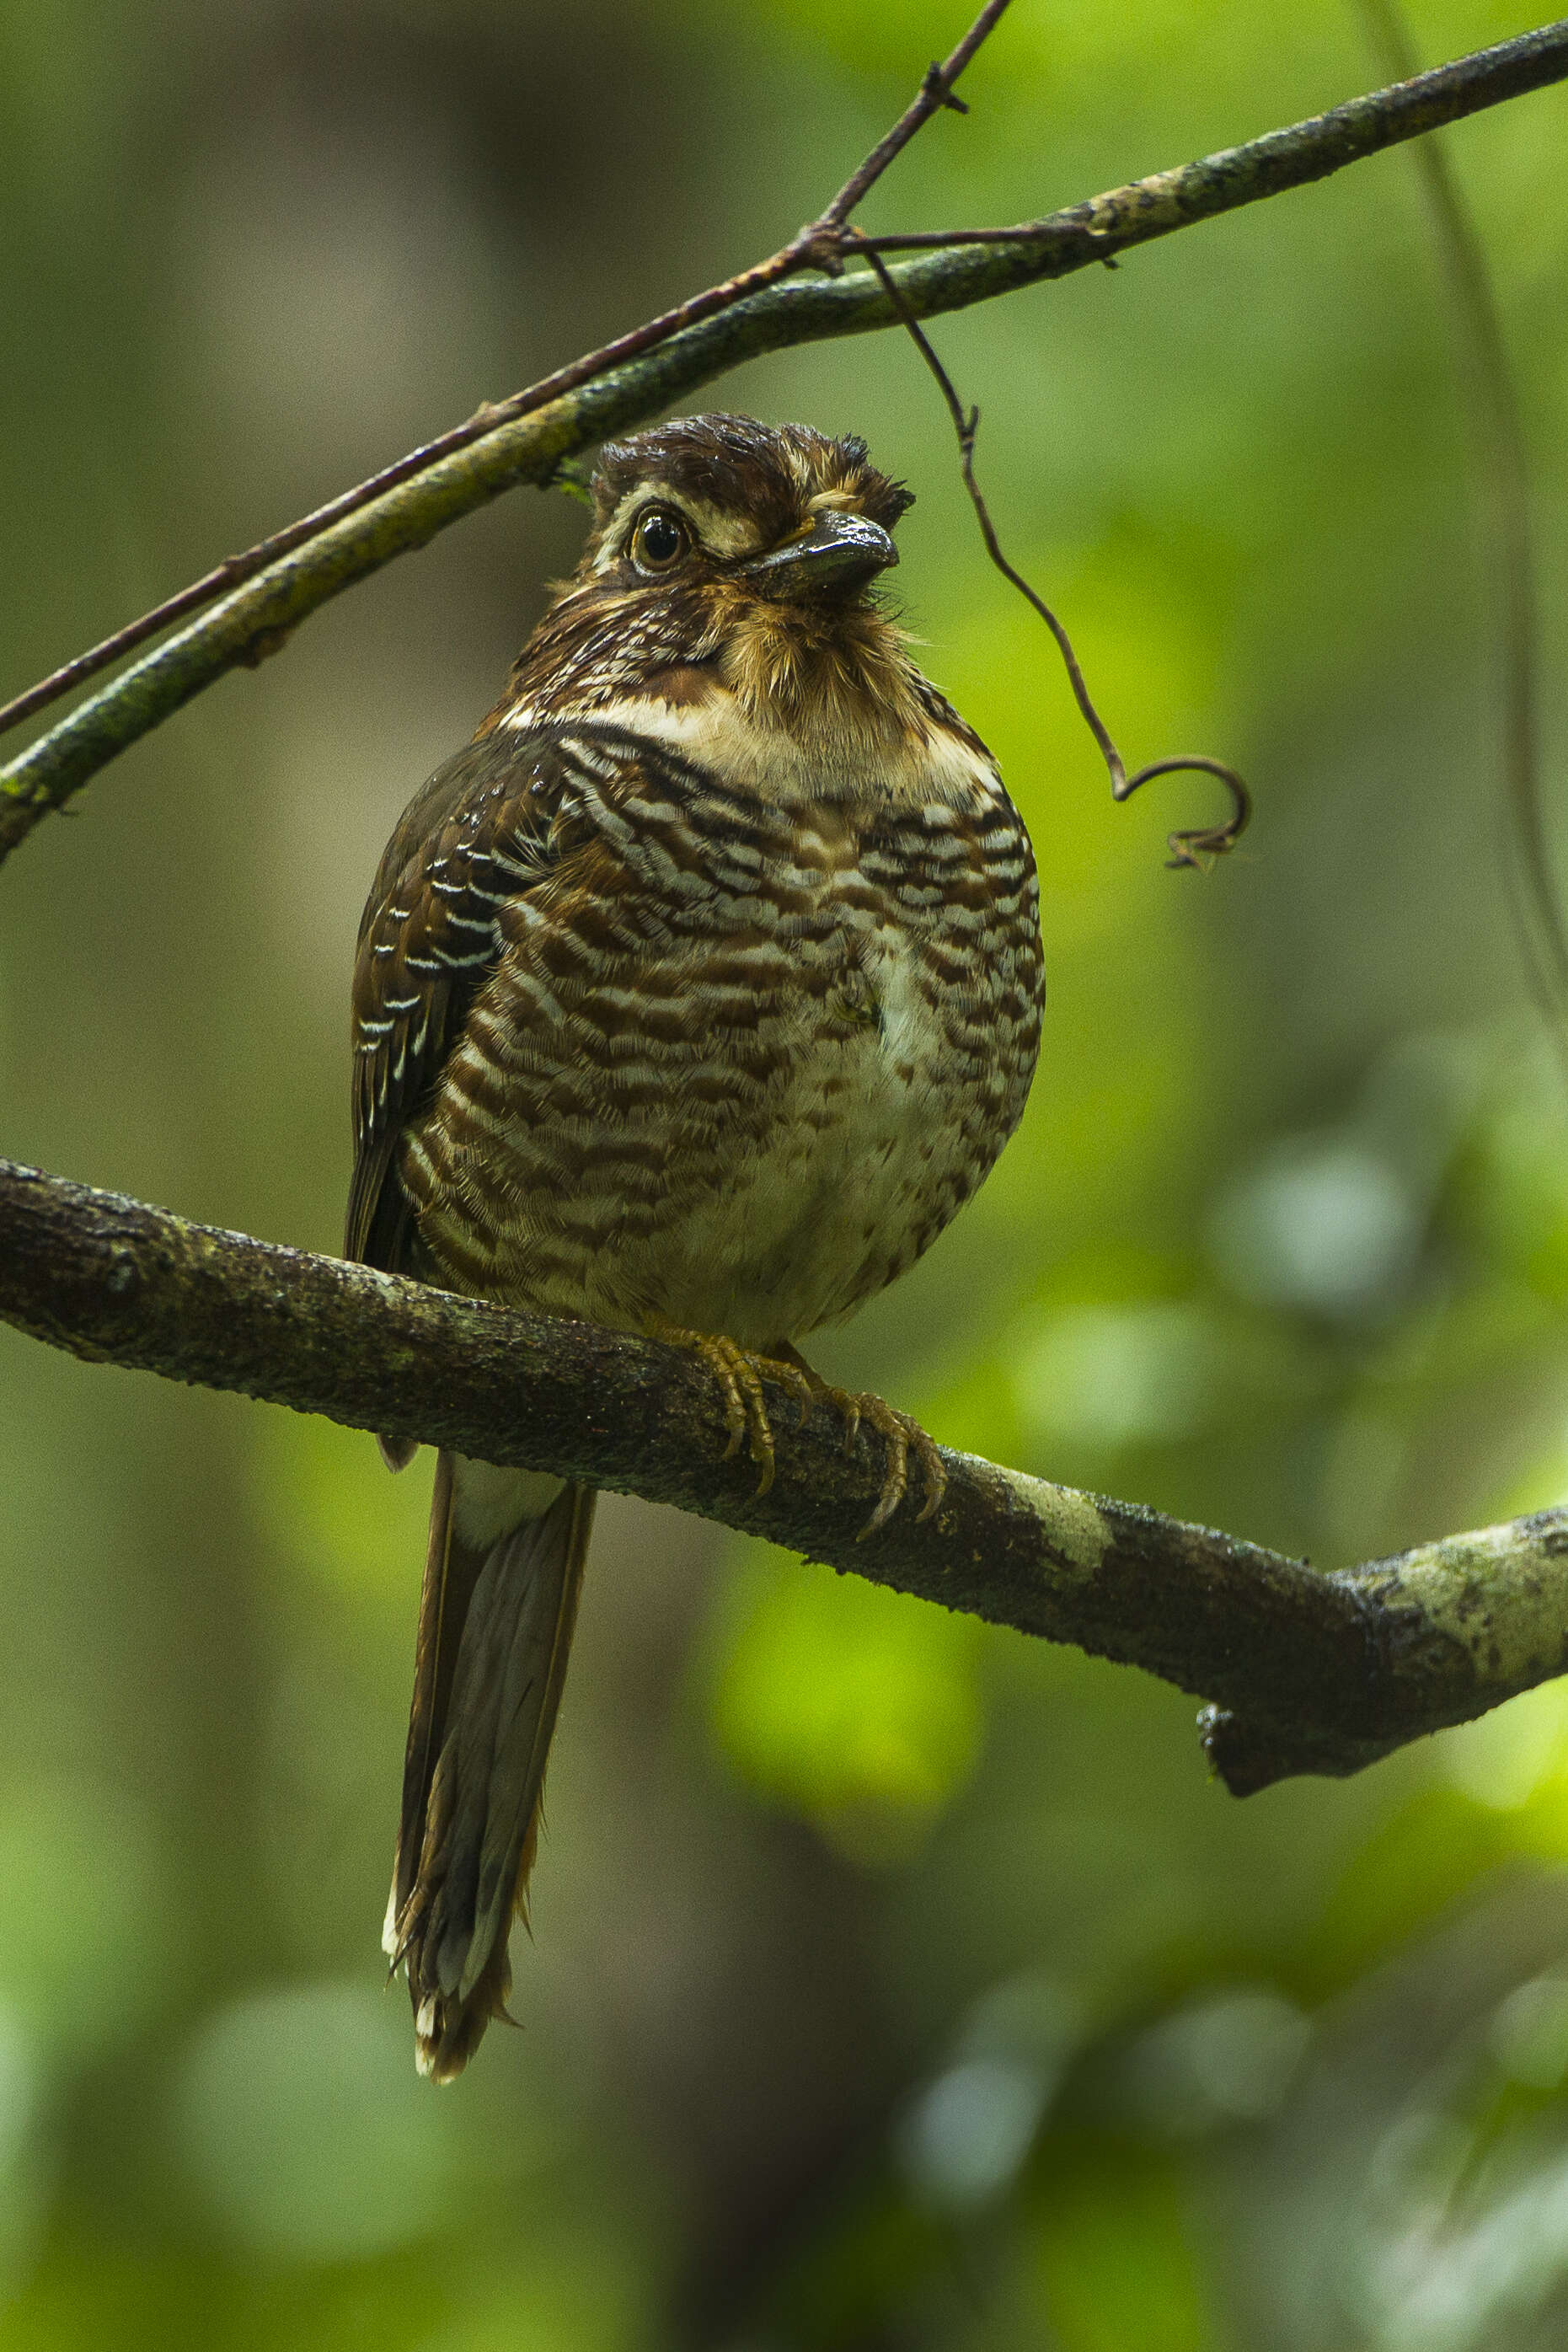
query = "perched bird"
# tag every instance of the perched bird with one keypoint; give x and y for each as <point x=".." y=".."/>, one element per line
<point x="692" y="997"/>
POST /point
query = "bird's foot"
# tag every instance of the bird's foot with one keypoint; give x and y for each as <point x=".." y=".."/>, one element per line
<point x="739" y="1374"/>
<point x="901" y="1433"/>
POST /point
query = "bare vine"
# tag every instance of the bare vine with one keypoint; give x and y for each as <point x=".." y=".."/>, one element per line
<point x="1503" y="466"/>
<point x="245" y="608"/>
<point x="1190" y="848"/>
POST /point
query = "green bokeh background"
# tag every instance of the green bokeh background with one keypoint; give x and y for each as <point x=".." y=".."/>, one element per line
<point x="897" y="1983"/>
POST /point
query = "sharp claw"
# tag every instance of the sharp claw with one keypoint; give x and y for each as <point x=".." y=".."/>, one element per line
<point x="936" y="1479"/>
<point x="895" y="1475"/>
<point x="887" y="1502"/>
<point x="899" y="1434"/>
<point x="738" y="1373"/>
<point x="761" y="1442"/>
<point x="729" y="1390"/>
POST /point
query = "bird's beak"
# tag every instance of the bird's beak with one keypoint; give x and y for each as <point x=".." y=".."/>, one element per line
<point x="840" y="553"/>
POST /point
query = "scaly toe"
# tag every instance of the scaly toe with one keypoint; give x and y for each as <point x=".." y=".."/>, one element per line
<point x="759" y="1431"/>
<point x="900" y="1434"/>
<point x="738" y="1373"/>
<point x="790" y="1377"/>
<point x="931" y="1471"/>
<point x="736" y="1414"/>
<point x="893" y="1429"/>
<point x="751" y="1372"/>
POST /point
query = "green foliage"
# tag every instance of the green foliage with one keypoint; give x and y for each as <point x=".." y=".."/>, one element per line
<point x="856" y="1708"/>
<point x="895" y="1984"/>
<point x="1115" y="2261"/>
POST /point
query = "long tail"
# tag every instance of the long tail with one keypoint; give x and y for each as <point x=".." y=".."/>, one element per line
<point x="496" y="1616"/>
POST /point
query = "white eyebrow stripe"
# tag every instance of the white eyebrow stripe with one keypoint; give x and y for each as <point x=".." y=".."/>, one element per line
<point x="721" y="533"/>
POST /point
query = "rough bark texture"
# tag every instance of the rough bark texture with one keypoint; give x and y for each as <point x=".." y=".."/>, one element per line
<point x="1307" y="1672"/>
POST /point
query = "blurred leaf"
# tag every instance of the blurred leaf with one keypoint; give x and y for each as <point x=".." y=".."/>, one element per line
<point x="858" y="1707"/>
<point x="88" y="1916"/>
<point x="1114" y="1376"/>
<point x="1415" y="1864"/>
<point x="308" y="2135"/>
<point x="574" y="2291"/>
<point x="88" y="2294"/>
<point x="328" y="1504"/>
<point x="1117" y="2270"/>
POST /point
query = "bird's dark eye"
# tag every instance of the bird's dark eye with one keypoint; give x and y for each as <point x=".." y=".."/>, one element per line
<point x="660" y="540"/>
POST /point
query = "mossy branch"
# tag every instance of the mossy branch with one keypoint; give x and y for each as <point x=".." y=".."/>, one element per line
<point x="524" y="441"/>
<point x="1305" y="1672"/>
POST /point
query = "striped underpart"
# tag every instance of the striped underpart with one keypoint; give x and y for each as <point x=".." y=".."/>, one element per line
<point x="729" y="1063"/>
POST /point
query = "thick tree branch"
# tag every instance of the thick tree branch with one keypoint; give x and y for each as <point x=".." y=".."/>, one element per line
<point x="1308" y="1671"/>
<point x="608" y="391"/>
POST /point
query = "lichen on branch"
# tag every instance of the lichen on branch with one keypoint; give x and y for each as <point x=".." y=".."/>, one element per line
<point x="1305" y="1672"/>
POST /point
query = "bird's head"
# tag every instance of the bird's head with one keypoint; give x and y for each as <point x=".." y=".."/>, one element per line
<point x="735" y="556"/>
<point x="776" y="513"/>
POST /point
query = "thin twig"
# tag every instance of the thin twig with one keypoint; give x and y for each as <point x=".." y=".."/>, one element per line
<point x="936" y="91"/>
<point x="1190" y="848"/>
<point x="817" y="245"/>
<point x="523" y="440"/>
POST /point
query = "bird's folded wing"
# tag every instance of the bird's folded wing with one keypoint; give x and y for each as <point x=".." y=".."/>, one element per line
<point x="477" y="836"/>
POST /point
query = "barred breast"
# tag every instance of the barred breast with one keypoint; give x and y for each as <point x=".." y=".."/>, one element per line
<point x="736" y="1063"/>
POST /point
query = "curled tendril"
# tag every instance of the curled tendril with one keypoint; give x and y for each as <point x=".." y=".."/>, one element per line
<point x="1200" y="846"/>
<point x="1203" y="844"/>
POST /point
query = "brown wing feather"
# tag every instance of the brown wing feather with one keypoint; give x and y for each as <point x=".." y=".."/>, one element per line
<point x="475" y="837"/>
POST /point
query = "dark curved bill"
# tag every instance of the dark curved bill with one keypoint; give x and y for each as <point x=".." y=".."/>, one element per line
<point x="838" y="552"/>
